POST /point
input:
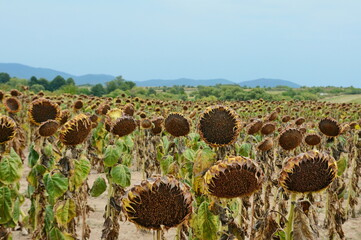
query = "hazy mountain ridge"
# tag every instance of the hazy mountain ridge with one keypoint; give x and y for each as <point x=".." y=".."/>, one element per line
<point x="23" y="71"/>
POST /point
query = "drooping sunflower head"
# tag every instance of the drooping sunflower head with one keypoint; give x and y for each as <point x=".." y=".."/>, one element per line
<point x="129" y="109"/>
<point x="76" y="130"/>
<point x="268" y="128"/>
<point x="290" y="138"/>
<point x="78" y="105"/>
<point x="42" y="110"/>
<point x="330" y="127"/>
<point x="64" y="116"/>
<point x="12" y="104"/>
<point x="313" y="139"/>
<point x="1" y="95"/>
<point x="158" y="202"/>
<point x="219" y="126"/>
<point x="177" y="125"/>
<point x="146" y="123"/>
<point x="48" y="128"/>
<point x="254" y="126"/>
<point x="123" y="126"/>
<point x="157" y="125"/>
<point x="311" y="171"/>
<point x="233" y="177"/>
<point x="7" y="129"/>
<point x="265" y="145"/>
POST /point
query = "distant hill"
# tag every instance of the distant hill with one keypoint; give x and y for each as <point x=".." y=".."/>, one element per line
<point x="23" y="71"/>
<point x="268" y="82"/>
<point x="182" y="81"/>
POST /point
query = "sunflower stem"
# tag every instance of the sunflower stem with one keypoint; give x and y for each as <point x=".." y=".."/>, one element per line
<point x="289" y="226"/>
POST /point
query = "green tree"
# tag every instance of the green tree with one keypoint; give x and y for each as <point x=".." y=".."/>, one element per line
<point x="37" y="88"/>
<point x="45" y="83"/>
<point x="70" y="81"/>
<point x="57" y="83"/>
<point x="119" y="83"/>
<point x="98" y="90"/>
<point x="4" y="77"/>
<point x="33" y="81"/>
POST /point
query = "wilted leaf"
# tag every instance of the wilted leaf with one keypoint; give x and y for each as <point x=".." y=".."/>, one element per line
<point x="205" y="223"/>
<point x="98" y="188"/>
<point x="56" y="234"/>
<point x="203" y="159"/>
<point x="65" y="211"/>
<point x="301" y="227"/>
<point x="342" y="164"/>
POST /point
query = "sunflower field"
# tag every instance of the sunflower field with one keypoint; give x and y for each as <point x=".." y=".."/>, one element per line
<point x="207" y="170"/>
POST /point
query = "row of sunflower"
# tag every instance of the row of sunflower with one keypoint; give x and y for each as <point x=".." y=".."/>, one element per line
<point x="241" y="170"/>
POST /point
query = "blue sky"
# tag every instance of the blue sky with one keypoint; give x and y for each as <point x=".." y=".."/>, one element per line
<point x="309" y="42"/>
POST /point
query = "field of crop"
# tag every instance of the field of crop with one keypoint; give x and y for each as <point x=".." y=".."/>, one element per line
<point x="81" y="167"/>
<point x="350" y="98"/>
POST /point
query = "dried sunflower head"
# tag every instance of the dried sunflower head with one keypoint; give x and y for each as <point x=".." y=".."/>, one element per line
<point x="158" y="202"/>
<point x="76" y="130"/>
<point x="123" y="126"/>
<point x="233" y="177"/>
<point x="42" y="110"/>
<point x="330" y="127"/>
<point x="7" y="129"/>
<point x="157" y="125"/>
<point x="177" y="125"/>
<point x="311" y="171"/>
<point x="219" y="126"/>
<point x="129" y="109"/>
<point x="265" y="145"/>
<point x="290" y="139"/>
<point x="254" y="127"/>
<point x="64" y="116"/>
<point x="1" y="95"/>
<point x="268" y="128"/>
<point x="78" y="105"/>
<point x="146" y="123"/>
<point x="12" y="104"/>
<point x="48" y="128"/>
<point x="313" y="139"/>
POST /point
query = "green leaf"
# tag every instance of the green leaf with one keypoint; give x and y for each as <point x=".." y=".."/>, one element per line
<point x="189" y="154"/>
<point x="5" y="205"/>
<point x="204" y="159"/>
<point x="81" y="171"/>
<point x="10" y="168"/>
<point x="128" y="141"/>
<point x="16" y="211"/>
<point x="111" y="155"/>
<point x="205" y="223"/>
<point x="48" y="150"/>
<point x="33" y="156"/>
<point x="342" y="164"/>
<point x="245" y="149"/>
<point x="56" y="234"/>
<point x="98" y="188"/>
<point x="49" y="218"/>
<point x="65" y="211"/>
<point x="55" y="185"/>
<point x="121" y="175"/>
<point x="165" y="163"/>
